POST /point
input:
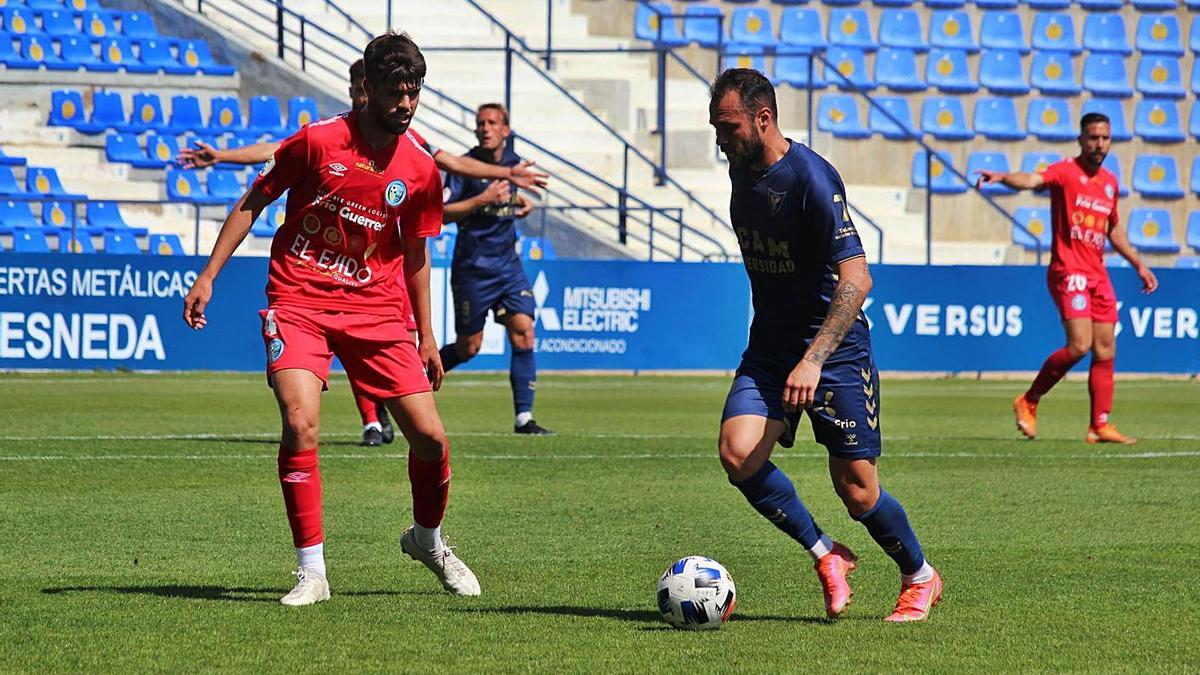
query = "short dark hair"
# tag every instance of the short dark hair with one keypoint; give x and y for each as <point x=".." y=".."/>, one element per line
<point x="752" y="86"/>
<point x="357" y="72"/>
<point x="393" y="58"/>
<point x="1092" y="118"/>
<point x="499" y="107"/>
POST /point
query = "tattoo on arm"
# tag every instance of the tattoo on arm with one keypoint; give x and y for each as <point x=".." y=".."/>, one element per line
<point x="843" y="310"/>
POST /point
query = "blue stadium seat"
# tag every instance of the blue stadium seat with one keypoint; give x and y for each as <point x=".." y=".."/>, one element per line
<point x="1048" y="4"/>
<point x="8" y="183"/>
<point x="1100" y="5"/>
<point x="81" y="5"/>
<point x="897" y="70"/>
<point x="536" y="248"/>
<point x="108" y="112"/>
<point x="99" y="24"/>
<point x="78" y="50"/>
<point x="1193" y="231"/>
<point x="1194" y="36"/>
<point x="943" y="181"/>
<point x="1157" y="121"/>
<point x="951" y="30"/>
<point x="40" y="4"/>
<point x="901" y="28"/>
<point x="145" y="112"/>
<point x="1159" y="35"/>
<point x="225" y="114"/>
<point x="1114" y="110"/>
<point x="793" y="69"/>
<point x="30" y="241"/>
<point x="853" y="64"/>
<point x="270" y="220"/>
<point x="1113" y="165"/>
<point x="121" y="243"/>
<point x="301" y="111"/>
<point x="1002" y="30"/>
<point x="107" y="217"/>
<point x="1195" y="79"/>
<point x="160" y="151"/>
<point x="1050" y="120"/>
<point x="123" y="148"/>
<point x="58" y="216"/>
<point x="265" y="116"/>
<point x="851" y="28"/>
<point x="39" y="48"/>
<point x="898" y="107"/>
<point x="947" y="70"/>
<point x="44" y="181"/>
<point x="1001" y="72"/>
<point x="138" y="25"/>
<point x="702" y="25"/>
<point x="945" y="4"/>
<point x="225" y="185"/>
<point x="11" y="58"/>
<point x="156" y="53"/>
<point x="1055" y="32"/>
<point x="79" y="244"/>
<point x="888" y="3"/>
<point x="838" y="114"/>
<point x="1105" y="33"/>
<point x="66" y="108"/>
<point x="10" y="160"/>
<point x="1105" y="75"/>
<point x="184" y="186"/>
<point x="745" y="56"/>
<point x="652" y="22"/>
<point x="119" y="51"/>
<point x="1035" y="219"/>
<point x="989" y="161"/>
<point x="1156" y="177"/>
<point x="1053" y="73"/>
<point x="1187" y="262"/>
<point x="164" y="244"/>
<point x="996" y="4"/>
<point x="996" y="119"/>
<point x="943" y="117"/>
<point x="185" y="114"/>
<point x="1037" y="162"/>
<point x="1194" y="121"/>
<point x="16" y="215"/>
<point x="1159" y="76"/>
<point x="1151" y="231"/>
<point x="60" y="23"/>
<point x="1155" y="5"/>
<point x="1195" y="185"/>
<point x="751" y="26"/>
<point x="195" y="54"/>
<point x="801" y="27"/>
<point x="19" y="21"/>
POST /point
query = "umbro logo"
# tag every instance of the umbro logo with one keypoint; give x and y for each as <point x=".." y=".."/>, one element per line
<point x="337" y="169"/>
<point x="297" y="477"/>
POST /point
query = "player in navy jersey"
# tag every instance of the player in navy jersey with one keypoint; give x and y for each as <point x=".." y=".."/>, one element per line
<point x="486" y="273"/>
<point x="809" y="347"/>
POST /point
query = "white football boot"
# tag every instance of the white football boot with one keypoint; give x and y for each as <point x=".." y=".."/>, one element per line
<point x="454" y="574"/>
<point x="310" y="589"/>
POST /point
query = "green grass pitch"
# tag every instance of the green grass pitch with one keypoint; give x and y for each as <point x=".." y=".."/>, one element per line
<point x="143" y="530"/>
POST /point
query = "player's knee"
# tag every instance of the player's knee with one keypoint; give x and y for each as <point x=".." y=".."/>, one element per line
<point x="300" y="431"/>
<point x="858" y="499"/>
<point x="1077" y="349"/>
<point x="469" y="347"/>
<point x="428" y="442"/>
<point x="734" y="459"/>
<point x="1104" y="350"/>
<point x="522" y="339"/>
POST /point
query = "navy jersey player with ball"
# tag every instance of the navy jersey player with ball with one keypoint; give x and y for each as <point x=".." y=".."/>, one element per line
<point x="809" y="347"/>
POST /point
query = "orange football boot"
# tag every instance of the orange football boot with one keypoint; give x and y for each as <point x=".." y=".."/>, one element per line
<point x="1107" y="433"/>
<point x="832" y="569"/>
<point x="916" y="600"/>
<point x="1026" y="413"/>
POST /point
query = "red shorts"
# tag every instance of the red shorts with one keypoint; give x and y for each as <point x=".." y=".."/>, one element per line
<point x="377" y="351"/>
<point x="1083" y="296"/>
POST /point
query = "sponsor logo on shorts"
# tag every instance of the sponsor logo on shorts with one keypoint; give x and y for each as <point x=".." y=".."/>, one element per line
<point x="311" y="223"/>
<point x="275" y="350"/>
<point x="395" y="193"/>
<point x="1079" y="302"/>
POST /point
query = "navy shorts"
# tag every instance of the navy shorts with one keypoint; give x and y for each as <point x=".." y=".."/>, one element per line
<point x="476" y="295"/>
<point x="845" y="414"/>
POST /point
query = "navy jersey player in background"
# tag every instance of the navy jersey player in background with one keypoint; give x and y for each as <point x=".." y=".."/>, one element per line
<point x="486" y="273"/>
<point x="809" y="348"/>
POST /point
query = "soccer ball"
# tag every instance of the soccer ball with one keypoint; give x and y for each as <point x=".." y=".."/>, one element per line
<point x="696" y="593"/>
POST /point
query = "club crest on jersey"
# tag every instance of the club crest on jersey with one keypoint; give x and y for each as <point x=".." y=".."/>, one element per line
<point x="775" y="200"/>
<point x="1079" y="302"/>
<point x="268" y="166"/>
<point x="275" y="350"/>
<point x="395" y="193"/>
<point x="1108" y="191"/>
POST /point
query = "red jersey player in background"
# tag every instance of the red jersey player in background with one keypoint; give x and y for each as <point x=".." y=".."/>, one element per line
<point x="377" y="429"/>
<point x="1083" y="214"/>
<point x="347" y="268"/>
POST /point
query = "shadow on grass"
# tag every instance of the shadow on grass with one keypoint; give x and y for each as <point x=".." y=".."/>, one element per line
<point x="220" y="593"/>
<point x="633" y="615"/>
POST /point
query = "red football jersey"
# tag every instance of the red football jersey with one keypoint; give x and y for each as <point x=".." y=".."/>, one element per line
<point x="1081" y="209"/>
<point x="349" y="207"/>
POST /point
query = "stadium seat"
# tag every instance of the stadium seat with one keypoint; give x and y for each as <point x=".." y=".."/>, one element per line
<point x="800" y="27"/>
<point x="225" y="185"/>
<point x="184" y="186"/>
<point x="652" y="22"/>
<point x="1114" y="110"/>
<point x="943" y="117"/>
<point x="1053" y="73"/>
<point x="838" y="114"/>
<point x="160" y="151"/>
<point x="1156" y="177"/>
<point x="66" y="108"/>
<point x="138" y="25"/>
<point x="996" y="4"/>
<point x="1054" y="32"/>
<point x="121" y="243"/>
<point x="996" y="119"/>
<point x="16" y="215"/>
<point x="39" y="48"/>
<point x="1100" y="5"/>
<point x="1048" y="4"/>
<point x="751" y="26"/>
<point x="1105" y="33"/>
<point x="1195" y="185"/>
<point x="1036" y="221"/>
<point x="898" y="107"/>
<point x="107" y="217"/>
<point x="945" y="4"/>
<point x="901" y="28"/>
<point x="8" y="183"/>
<point x="270" y="220"/>
<point x="702" y="25"/>
<point x="185" y="114"/>
<point x="60" y="23"/>
<point x="30" y="241"/>
<point x="123" y="148"/>
<point x="80" y="244"/>
<point x="1155" y="5"/>
<point x="301" y="111"/>
<point x="745" y="56"/>
<point x="1158" y="35"/>
<point x="1159" y="76"/>
<point x="1105" y="75"/>
<point x="1187" y="262"/>
<point x="10" y="160"/>
<point x="1195" y="79"/>
<point x="155" y="53"/>
<point x="99" y="24"/>
<point x="195" y="54"/>
<point x="1157" y="121"/>
<point x="1193" y="231"/>
<point x="58" y="216"/>
<point x="145" y="112"/>
<point x="852" y="63"/>
<point x="19" y="21"/>
<point x="79" y="51"/>
<point x="943" y="181"/>
<point x="81" y="5"/>
<point x="897" y="70"/>
<point x="1194" y="36"/>
<point x="225" y="115"/>
<point x="108" y="112"/>
<point x="951" y="30"/>
<point x="164" y="244"/>
<point x="119" y="51"/>
<point x="793" y="69"/>
<point x="1002" y="30"/>
<point x="1113" y="165"/>
<point x="11" y="58"/>
<point x="44" y="181"/>
<point x="1001" y="73"/>
<point x="1037" y="162"/>
<point x="1049" y="119"/>
<point x="990" y="161"/>
<point x="946" y="69"/>
<point x="1151" y="231"/>
<point x="851" y="28"/>
<point x="535" y="248"/>
<point x="265" y="116"/>
<point x="1194" y="120"/>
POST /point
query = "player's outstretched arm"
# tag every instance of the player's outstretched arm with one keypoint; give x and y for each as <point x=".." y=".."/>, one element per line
<point x="416" y="278"/>
<point x="521" y="175"/>
<point x="1017" y="180"/>
<point x="497" y="192"/>
<point x="237" y="225"/>
<point x="1120" y="244"/>
<point x="205" y="155"/>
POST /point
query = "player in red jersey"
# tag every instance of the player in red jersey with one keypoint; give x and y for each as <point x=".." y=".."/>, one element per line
<point x="377" y="429"/>
<point x="1083" y="214"/>
<point x="347" y="267"/>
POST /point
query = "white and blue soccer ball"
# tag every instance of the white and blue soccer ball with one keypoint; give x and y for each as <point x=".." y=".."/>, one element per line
<point x="696" y="593"/>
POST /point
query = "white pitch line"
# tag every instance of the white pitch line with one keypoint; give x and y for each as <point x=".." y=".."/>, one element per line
<point x="568" y="457"/>
<point x="235" y="436"/>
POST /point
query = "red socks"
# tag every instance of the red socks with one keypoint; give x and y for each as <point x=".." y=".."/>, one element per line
<point x="430" y="488"/>
<point x="301" y="482"/>
<point x="1053" y="370"/>
<point x="1100" y="387"/>
<point x="366" y="408"/>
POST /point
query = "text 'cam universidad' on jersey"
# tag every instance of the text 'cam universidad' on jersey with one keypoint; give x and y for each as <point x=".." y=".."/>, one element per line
<point x="1082" y="208"/>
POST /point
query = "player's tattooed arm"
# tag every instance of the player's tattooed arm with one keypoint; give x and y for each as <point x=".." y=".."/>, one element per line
<point x="854" y="282"/>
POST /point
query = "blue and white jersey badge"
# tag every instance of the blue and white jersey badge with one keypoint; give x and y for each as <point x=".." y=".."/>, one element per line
<point x="395" y="193"/>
